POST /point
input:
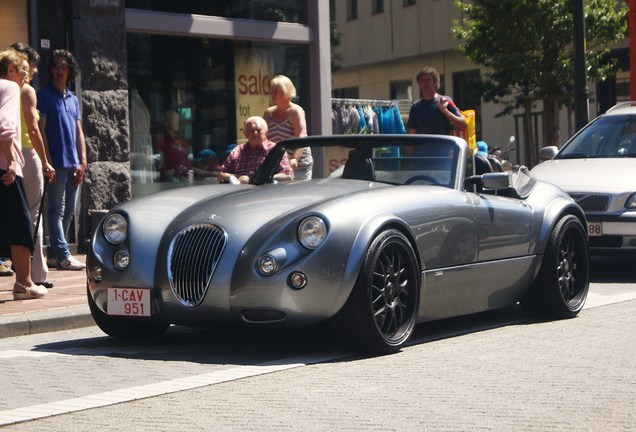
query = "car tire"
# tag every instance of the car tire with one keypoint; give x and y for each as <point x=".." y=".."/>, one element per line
<point x="561" y="287"/>
<point x="380" y="314"/>
<point x="124" y="327"/>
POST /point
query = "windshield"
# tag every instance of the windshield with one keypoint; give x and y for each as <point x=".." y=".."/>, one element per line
<point x="392" y="159"/>
<point x="608" y="136"/>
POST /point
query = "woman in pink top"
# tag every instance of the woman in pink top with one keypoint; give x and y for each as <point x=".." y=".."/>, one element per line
<point x="16" y="233"/>
<point x="36" y="164"/>
<point x="286" y="119"/>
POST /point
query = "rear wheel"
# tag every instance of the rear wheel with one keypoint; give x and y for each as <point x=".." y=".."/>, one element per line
<point x="380" y="314"/>
<point x="561" y="287"/>
<point x="124" y="327"/>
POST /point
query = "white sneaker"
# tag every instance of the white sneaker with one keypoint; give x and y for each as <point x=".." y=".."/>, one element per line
<point x="70" y="263"/>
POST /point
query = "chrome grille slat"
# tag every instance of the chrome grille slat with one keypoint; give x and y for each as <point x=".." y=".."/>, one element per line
<point x="591" y="201"/>
<point x="192" y="258"/>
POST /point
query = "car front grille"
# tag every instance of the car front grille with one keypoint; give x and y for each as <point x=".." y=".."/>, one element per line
<point x="592" y="202"/>
<point x="192" y="258"/>
<point x="606" y="242"/>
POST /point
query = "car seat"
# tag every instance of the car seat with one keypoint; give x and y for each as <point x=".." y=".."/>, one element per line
<point x="359" y="165"/>
<point x="482" y="165"/>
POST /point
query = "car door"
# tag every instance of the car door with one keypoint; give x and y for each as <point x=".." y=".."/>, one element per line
<point x="504" y="227"/>
<point x="500" y="269"/>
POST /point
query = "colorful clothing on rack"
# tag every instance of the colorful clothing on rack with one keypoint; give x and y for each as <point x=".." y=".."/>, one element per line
<point x="366" y="117"/>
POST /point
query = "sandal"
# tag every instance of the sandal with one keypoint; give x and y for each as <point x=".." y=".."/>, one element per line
<point x="30" y="292"/>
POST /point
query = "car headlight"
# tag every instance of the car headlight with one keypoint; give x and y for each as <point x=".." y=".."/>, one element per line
<point x="312" y="231"/>
<point x="631" y="201"/>
<point x="115" y="228"/>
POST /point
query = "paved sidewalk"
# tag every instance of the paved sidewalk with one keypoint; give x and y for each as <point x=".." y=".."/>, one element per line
<point x="64" y="306"/>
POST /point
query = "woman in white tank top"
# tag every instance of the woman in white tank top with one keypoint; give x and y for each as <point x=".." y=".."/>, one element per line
<point x="286" y="119"/>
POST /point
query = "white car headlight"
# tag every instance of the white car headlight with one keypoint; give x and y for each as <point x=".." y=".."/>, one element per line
<point x="115" y="228"/>
<point x="312" y="231"/>
<point x="631" y="201"/>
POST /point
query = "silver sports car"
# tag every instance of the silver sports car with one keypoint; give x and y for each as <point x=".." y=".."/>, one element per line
<point x="393" y="234"/>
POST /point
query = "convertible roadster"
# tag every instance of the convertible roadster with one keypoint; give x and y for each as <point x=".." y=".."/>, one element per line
<point x="394" y="233"/>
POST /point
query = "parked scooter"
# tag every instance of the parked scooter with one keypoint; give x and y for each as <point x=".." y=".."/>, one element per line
<point x="502" y="157"/>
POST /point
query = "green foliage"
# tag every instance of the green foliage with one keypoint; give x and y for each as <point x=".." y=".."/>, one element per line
<point x="528" y="46"/>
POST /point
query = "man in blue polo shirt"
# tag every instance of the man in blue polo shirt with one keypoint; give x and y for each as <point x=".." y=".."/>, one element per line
<point x="60" y="123"/>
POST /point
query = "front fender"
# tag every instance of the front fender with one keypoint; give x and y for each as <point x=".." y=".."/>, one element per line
<point x="556" y="208"/>
<point x="369" y="229"/>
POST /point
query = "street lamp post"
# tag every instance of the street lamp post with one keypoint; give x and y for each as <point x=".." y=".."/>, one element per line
<point x="581" y="108"/>
<point x="631" y="22"/>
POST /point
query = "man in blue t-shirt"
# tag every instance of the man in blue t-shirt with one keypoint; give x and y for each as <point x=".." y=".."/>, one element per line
<point x="433" y="113"/>
<point x="61" y="126"/>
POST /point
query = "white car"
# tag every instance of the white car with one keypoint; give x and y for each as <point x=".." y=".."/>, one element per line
<point x="597" y="167"/>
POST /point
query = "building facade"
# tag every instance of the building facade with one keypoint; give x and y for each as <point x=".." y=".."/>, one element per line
<point x="151" y="68"/>
<point x="385" y="42"/>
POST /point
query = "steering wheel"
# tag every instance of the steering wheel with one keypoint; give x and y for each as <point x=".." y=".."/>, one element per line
<point x="422" y="177"/>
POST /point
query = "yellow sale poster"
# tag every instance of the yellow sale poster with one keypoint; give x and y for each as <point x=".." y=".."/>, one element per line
<point x="253" y="72"/>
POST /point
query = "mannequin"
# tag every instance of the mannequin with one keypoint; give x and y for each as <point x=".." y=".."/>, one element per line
<point x="174" y="154"/>
<point x="141" y="142"/>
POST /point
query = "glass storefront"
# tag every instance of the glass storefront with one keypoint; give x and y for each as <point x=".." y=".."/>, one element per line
<point x="188" y="95"/>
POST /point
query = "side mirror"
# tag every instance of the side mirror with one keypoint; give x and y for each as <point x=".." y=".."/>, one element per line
<point x="496" y="181"/>
<point x="547" y="153"/>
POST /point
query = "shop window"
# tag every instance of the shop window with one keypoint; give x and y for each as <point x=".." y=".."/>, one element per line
<point x="346" y="92"/>
<point x="377" y="6"/>
<point x="467" y="90"/>
<point x="352" y="10"/>
<point x="192" y="94"/>
<point x="402" y="89"/>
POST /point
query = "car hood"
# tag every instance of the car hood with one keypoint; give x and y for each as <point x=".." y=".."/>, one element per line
<point x="238" y="208"/>
<point x="589" y="175"/>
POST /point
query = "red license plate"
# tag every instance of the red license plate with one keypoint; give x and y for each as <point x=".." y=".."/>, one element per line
<point x="128" y="302"/>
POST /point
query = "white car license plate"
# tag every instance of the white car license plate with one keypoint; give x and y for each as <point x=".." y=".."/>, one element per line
<point x="128" y="301"/>
<point x="595" y="229"/>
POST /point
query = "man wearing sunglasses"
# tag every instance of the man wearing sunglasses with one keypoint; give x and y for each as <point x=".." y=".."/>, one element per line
<point x="61" y="126"/>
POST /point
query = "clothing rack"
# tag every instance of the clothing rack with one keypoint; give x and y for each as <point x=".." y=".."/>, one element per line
<point x="374" y="102"/>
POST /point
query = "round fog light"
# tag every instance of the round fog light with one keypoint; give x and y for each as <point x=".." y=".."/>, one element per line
<point x="97" y="273"/>
<point x="267" y="265"/>
<point x="297" y="280"/>
<point x="121" y="259"/>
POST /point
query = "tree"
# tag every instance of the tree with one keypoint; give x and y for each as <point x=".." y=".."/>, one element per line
<point x="527" y="47"/>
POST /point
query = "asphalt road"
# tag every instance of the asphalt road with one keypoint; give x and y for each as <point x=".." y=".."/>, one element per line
<point x="495" y="372"/>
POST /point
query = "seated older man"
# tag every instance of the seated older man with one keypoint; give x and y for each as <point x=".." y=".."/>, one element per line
<point x="241" y="164"/>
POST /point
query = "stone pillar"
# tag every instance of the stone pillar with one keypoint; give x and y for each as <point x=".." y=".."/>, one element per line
<point x="100" y="41"/>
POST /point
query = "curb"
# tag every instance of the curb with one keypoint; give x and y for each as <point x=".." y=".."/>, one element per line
<point x="45" y="321"/>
